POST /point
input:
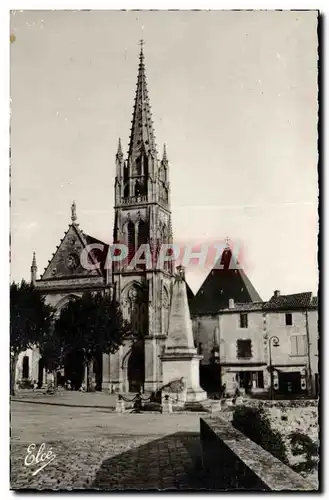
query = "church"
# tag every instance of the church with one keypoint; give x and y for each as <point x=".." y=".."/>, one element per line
<point x="143" y="216"/>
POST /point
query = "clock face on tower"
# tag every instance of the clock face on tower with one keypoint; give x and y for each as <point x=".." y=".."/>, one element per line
<point x="72" y="261"/>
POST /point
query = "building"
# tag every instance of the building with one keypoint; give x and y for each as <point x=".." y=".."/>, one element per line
<point x="244" y="343"/>
<point x="142" y="215"/>
<point x="232" y="325"/>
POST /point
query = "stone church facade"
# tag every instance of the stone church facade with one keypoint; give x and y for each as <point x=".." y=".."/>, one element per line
<point x="143" y="216"/>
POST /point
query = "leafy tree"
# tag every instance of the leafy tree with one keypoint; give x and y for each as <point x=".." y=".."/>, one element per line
<point x="30" y="322"/>
<point x="52" y="352"/>
<point x="92" y="324"/>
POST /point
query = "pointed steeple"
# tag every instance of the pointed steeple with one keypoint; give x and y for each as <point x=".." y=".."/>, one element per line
<point x="119" y="151"/>
<point x="73" y="213"/>
<point x="164" y="156"/>
<point x="34" y="269"/>
<point x="142" y="133"/>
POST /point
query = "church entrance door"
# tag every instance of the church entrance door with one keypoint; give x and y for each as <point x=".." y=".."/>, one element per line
<point x="136" y="370"/>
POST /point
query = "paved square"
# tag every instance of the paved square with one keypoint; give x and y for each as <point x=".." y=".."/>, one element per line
<point x="98" y="449"/>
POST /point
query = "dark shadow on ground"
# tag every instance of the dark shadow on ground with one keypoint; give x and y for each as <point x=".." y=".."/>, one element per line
<point x="169" y="463"/>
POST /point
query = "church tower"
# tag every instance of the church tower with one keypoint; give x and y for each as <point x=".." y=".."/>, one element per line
<point x="142" y="217"/>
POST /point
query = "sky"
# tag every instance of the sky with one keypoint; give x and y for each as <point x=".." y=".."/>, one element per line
<point x="233" y="96"/>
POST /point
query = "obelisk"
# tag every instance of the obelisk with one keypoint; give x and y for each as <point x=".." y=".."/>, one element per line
<point x="180" y="358"/>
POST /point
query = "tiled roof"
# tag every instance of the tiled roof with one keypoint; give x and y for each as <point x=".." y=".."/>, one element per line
<point x="248" y="306"/>
<point x="224" y="282"/>
<point x="293" y="301"/>
<point x="297" y="301"/>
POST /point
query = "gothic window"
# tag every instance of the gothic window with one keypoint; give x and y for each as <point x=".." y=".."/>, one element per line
<point x="137" y="189"/>
<point x="139" y="165"/>
<point x="131" y="240"/>
<point x="126" y="190"/>
<point x="142" y="232"/>
<point x="146" y="167"/>
<point x="136" y="310"/>
<point x="142" y="239"/>
<point x="26" y="370"/>
<point x="125" y="173"/>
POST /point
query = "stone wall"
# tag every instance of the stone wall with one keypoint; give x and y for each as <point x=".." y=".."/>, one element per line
<point x="234" y="462"/>
<point x="289" y="417"/>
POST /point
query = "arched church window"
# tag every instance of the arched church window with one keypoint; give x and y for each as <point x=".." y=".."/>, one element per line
<point x="137" y="311"/>
<point x="146" y="167"/>
<point x="139" y="165"/>
<point x="126" y="191"/>
<point x="142" y="238"/>
<point x="137" y="189"/>
<point x="131" y="240"/>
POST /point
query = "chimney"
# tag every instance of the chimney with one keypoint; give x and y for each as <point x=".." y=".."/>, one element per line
<point x="231" y="303"/>
<point x="276" y="293"/>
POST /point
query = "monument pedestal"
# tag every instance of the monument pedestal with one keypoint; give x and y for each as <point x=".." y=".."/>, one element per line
<point x="180" y="359"/>
<point x="178" y="363"/>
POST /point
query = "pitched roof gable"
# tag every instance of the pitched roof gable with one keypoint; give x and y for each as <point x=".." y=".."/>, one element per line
<point x="69" y="251"/>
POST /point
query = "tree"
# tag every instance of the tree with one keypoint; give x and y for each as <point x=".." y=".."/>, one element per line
<point x="92" y="324"/>
<point x="52" y="352"/>
<point x="30" y="322"/>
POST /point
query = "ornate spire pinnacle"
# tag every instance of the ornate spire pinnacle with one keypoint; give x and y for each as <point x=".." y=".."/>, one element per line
<point x="164" y="156"/>
<point x="142" y="134"/>
<point x="34" y="262"/>
<point x="34" y="269"/>
<point x="119" y="151"/>
<point x="73" y="213"/>
<point x="141" y="54"/>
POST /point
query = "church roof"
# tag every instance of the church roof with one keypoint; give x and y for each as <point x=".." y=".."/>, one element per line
<point x="66" y="260"/>
<point x="142" y="132"/>
<point x="225" y="281"/>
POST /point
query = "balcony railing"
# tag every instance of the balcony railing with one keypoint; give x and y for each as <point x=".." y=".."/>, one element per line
<point x="131" y="200"/>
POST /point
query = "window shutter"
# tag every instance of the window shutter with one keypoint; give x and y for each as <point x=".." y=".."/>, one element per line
<point x="293" y="340"/>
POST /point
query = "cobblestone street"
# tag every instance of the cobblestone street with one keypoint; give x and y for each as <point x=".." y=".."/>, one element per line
<point x="96" y="448"/>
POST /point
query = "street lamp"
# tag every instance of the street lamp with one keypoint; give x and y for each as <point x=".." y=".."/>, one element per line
<point x="272" y="341"/>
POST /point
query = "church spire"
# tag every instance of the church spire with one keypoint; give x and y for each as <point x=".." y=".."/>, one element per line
<point x="142" y="133"/>
<point x="164" y="156"/>
<point x="34" y="269"/>
<point x="119" y="151"/>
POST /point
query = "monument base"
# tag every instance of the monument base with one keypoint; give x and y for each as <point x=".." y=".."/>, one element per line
<point x="183" y="363"/>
